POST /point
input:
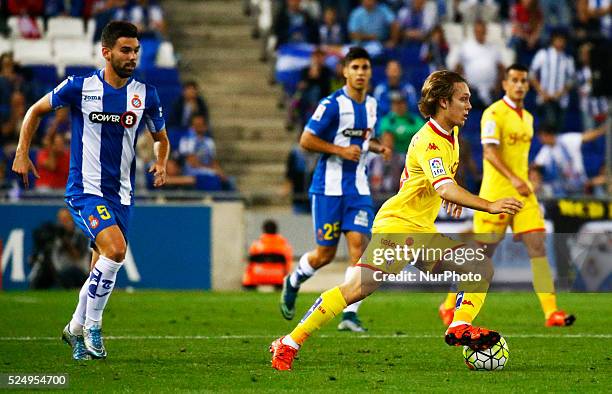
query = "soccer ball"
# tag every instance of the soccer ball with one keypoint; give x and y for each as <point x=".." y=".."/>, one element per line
<point x="491" y="359"/>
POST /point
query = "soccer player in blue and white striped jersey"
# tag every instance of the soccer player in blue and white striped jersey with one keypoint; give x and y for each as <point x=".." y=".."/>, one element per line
<point x="341" y="129"/>
<point x="108" y="109"/>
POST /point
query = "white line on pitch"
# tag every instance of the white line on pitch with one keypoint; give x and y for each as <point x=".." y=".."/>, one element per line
<point x="348" y="336"/>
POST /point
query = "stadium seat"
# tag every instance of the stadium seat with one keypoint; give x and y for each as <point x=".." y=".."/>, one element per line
<point x="43" y="74"/>
<point x="453" y="32"/>
<point x="33" y="51"/>
<point x="72" y="51"/>
<point x="162" y="77"/>
<point x="6" y="45"/>
<point x="90" y="29"/>
<point x="165" y="55"/>
<point x="78" y="70"/>
<point x="65" y="27"/>
<point x="13" y="24"/>
<point x="97" y="50"/>
<point x="508" y="55"/>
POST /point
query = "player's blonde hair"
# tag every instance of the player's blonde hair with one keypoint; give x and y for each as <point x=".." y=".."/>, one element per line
<point x="438" y="85"/>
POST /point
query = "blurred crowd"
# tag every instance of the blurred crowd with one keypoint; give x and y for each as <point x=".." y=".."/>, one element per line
<point x="304" y="40"/>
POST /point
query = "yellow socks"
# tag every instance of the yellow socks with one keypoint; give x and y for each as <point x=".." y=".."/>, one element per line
<point x="469" y="306"/>
<point x="450" y="301"/>
<point x="330" y="304"/>
<point x="544" y="285"/>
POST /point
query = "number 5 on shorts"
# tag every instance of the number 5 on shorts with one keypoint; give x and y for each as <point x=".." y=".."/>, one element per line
<point x="103" y="212"/>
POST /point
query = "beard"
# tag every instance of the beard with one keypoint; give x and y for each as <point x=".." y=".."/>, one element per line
<point x="122" y="70"/>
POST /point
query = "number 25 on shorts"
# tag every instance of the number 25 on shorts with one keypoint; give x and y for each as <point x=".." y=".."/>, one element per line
<point x="331" y="231"/>
<point x="103" y="212"/>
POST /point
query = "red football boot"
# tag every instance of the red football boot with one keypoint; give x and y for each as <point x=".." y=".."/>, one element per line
<point x="477" y="338"/>
<point x="282" y="355"/>
<point x="560" y="319"/>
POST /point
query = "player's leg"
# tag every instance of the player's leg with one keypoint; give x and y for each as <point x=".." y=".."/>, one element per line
<point x="528" y="225"/>
<point x="356" y="244"/>
<point x="543" y="281"/>
<point x="359" y="285"/>
<point x="326" y="216"/>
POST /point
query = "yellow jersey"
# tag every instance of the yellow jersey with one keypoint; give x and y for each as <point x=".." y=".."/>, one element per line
<point x="432" y="161"/>
<point x="511" y="129"/>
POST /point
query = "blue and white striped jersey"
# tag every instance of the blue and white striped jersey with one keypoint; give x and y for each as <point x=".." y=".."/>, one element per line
<point x="554" y="70"/>
<point x="341" y="121"/>
<point x="105" y="124"/>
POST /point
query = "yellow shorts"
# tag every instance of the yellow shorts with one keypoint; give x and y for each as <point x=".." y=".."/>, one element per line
<point x="395" y="244"/>
<point x="493" y="227"/>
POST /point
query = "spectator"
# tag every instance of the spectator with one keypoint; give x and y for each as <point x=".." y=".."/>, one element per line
<point x="557" y="16"/>
<point x="197" y="149"/>
<point x="270" y="258"/>
<point x="61" y="254"/>
<point x="27" y="26"/>
<point x="466" y="11"/>
<point x="384" y="175"/>
<point x="416" y="20"/>
<point x="299" y="168"/>
<point x="189" y="103"/>
<point x="401" y="124"/>
<point x="527" y="23"/>
<point x="148" y="18"/>
<point x="293" y="25"/>
<point x="9" y="129"/>
<point x="30" y="7"/>
<point x="394" y="82"/>
<point x="53" y="163"/>
<point x="343" y="7"/>
<point x="585" y="26"/>
<point x="373" y="22"/>
<point x="434" y="50"/>
<point x="561" y="162"/>
<point x="12" y="77"/>
<point x="331" y="32"/>
<point x="552" y="73"/>
<point x="602" y="10"/>
<point x="481" y="64"/>
<point x="315" y="84"/>
<point x="594" y="110"/>
<point x="110" y="10"/>
<point x="54" y="8"/>
<point x="60" y="122"/>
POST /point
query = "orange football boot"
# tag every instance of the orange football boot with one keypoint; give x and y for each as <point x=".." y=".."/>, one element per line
<point x="477" y="338"/>
<point x="282" y="355"/>
<point x="560" y="319"/>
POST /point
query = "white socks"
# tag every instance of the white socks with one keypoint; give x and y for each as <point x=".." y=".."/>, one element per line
<point x="101" y="284"/>
<point x="302" y="272"/>
<point x="78" y="317"/>
<point x="354" y="307"/>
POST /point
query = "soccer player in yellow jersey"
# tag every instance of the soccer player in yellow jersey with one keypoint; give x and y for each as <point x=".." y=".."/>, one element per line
<point x="506" y="133"/>
<point x="431" y="163"/>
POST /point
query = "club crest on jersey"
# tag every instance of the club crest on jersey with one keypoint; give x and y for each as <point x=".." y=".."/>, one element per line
<point x="136" y="102"/>
<point x="126" y="119"/>
<point x="359" y="133"/>
<point x="93" y="221"/>
<point x="437" y="167"/>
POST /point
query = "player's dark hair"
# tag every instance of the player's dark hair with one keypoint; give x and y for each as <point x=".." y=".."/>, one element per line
<point x="356" y="53"/>
<point x="517" y="67"/>
<point x="547" y="128"/>
<point x="115" y="30"/>
<point x="438" y="85"/>
<point x="270" y="227"/>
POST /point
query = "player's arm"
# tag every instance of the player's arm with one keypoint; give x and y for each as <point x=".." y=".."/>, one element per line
<point x="593" y="134"/>
<point x="161" y="149"/>
<point x="491" y="154"/>
<point x="377" y="147"/>
<point x="311" y="142"/>
<point x="22" y="164"/>
<point x="454" y="193"/>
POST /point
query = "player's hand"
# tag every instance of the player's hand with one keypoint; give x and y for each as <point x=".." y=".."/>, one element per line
<point x="452" y="209"/>
<point x="22" y="165"/>
<point x="521" y="186"/>
<point x="386" y="152"/>
<point x="351" y="152"/>
<point x="159" y="174"/>
<point x="505" y="205"/>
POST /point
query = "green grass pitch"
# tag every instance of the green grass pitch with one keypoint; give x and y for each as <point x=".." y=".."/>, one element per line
<point x="200" y="341"/>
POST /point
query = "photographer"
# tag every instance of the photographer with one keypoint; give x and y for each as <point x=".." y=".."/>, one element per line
<point x="61" y="254"/>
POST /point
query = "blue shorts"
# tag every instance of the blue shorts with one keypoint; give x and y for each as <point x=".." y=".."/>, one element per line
<point x="333" y="215"/>
<point x="93" y="214"/>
